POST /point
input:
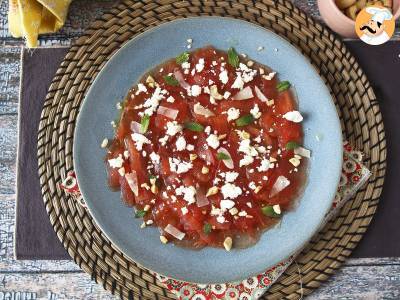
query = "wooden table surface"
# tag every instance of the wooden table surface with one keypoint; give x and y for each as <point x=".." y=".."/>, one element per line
<point x="377" y="278"/>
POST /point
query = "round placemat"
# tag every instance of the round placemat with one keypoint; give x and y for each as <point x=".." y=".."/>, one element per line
<point x="354" y="98"/>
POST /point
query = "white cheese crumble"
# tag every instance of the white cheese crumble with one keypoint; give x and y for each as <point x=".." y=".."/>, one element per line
<point x="195" y="90"/>
<point x="252" y="185"/>
<point x="230" y="191"/>
<point x="277" y="209"/>
<point x="221" y="219"/>
<point x="104" y="143"/>
<point x="178" y="166"/>
<point x="188" y="193"/>
<point x="180" y="143"/>
<point x="213" y="141"/>
<point x="264" y="166"/>
<point x="223" y="77"/>
<point x="246" y="160"/>
<point x="231" y="176"/>
<point x="140" y="140"/>
<point x="246" y="148"/>
<point x="233" y="114"/>
<point x="184" y="210"/>
<point x="173" y="128"/>
<point x="171" y="99"/>
<point x="269" y="76"/>
<point x="255" y="111"/>
<point x="200" y="65"/>
<point x="163" y="140"/>
<point x="116" y="162"/>
<point x="226" y="204"/>
<point x="227" y="95"/>
<point x="293" y="116"/>
<point x="152" y="103"/>
<point x="155" y="158"/>
<point x="238" y="83"/>
<point x="141" y="89"/>
<point x="189" y="147"/>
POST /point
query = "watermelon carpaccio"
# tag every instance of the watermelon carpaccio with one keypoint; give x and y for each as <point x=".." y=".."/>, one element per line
<point x="208" y="149"/>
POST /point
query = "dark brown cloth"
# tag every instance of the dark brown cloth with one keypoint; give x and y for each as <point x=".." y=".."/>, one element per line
<point x="35" y="238"/>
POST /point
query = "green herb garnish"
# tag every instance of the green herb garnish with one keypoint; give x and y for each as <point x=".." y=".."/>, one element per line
<point x="207" y="228"/>
<point x="233" y="58"/>
<point x="140" y="213"/>
<point x="283" y="86"/>
<point x="181" y="58"/>
<point x="291" y="145"/>
<point x="144" y="123"/>
<point x="193" y="126"/>
<point x="245" y="120"/>
<point x="269" y="212"/>
<point x="223" y="156"/>
<point x="171" y="80"/>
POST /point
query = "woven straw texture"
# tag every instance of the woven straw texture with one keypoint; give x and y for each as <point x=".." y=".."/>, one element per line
<point x="354" y="98"/>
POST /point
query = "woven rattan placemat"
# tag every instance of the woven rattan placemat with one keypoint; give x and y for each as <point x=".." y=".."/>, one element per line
<point x="355" y="100"/>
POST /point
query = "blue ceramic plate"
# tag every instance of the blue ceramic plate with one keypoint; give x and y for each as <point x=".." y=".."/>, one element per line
<point x="322" y="136"/>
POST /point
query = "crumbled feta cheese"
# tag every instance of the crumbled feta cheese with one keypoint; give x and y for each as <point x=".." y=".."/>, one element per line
<point x="144" y="153"/>
<point x="231" y="176"/>
<point x="184" y="210"/>
<point x="207" y="130"/>
<point x="252" y="185"/>
<point x="185" y="65"/>
<point x="188" y="193"/>
<point x="230" y="191"/>
<point x="277" y="209"/>
<point x="200" y="65"/>
<point x="238" y="83"/>
<point x="195" y="90"/>
<point x="189" y="40"/>
<point x="206" y="90"/>
<point x="246" y="148"/>
<point x="255" y="111"/>
<point x="246" y="160"/>
<point x="141" y="89"/>
<point x="189" y="147"/>
<point x="223" y="77"/>
<point x="140" y="140"/>
<point x="180" y="143"/>
<point x="126" y="153"/>
<point x="173" y="128"/>
<point x="152" y="103"/>
<point x="155" y="158"/>
<point x="226" y="204"/>
<point x="121" y="171"/>
<point x="221" y="219"/>
<point x="163" y="140"/>
<point x="293" y="116"/>
<point x="269" y="76"/>
<point x="116" y="162"/>
<point x="243" y="213"/>
<point x="104" y="143"/>
<point x="264" y="166"/>
<point x="213" y="141"/>
<point x="178" y="166"/>
<point x="171" y="99"/>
